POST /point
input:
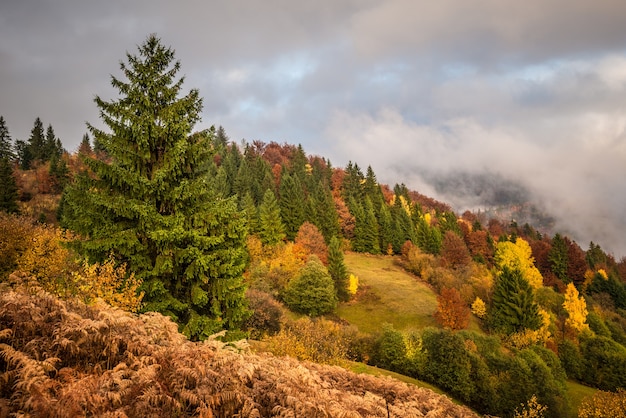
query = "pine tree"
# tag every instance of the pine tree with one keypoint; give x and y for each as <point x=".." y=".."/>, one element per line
<point x="24" y="155"/>
<point x="371" y="228"/>
<point x="6" y="148"/>
<point x="8" y="188"/>
<point x="151" y="204"/>
<point x="36" y="144"/>
<point x="52" y="146"/>
<point x="558" y="258"/>
<point x="513" y="307"/>
<point x="291" y="204"/>
<point x="337" y="269"/>
<point x="251" y="213"/>
<point x="271" y="228"/>
<point x="85" y="146"/>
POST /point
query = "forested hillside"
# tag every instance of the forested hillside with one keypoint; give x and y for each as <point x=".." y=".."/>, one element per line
<point x="250" y="238"/>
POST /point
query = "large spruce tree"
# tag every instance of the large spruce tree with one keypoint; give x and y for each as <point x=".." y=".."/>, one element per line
<point x="151" y="204"/>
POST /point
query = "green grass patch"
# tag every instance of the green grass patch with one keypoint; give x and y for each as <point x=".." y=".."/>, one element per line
<point x="388" y="294"/>
<point x="577" y="394"/>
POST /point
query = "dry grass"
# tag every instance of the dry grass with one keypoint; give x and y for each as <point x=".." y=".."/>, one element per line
<point x="68" y="359"/>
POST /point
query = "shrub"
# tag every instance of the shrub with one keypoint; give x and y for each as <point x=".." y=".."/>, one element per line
<point x="318" y="340"/>
<point x="267" y="314"/>
<point x="312" y="291"/>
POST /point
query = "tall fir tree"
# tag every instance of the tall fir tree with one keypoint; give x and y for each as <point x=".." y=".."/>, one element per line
<point x="6" y="145"/>
<point x="291" y="204"/>
<point x="8" y="188"/>
<point x="513" y="306"/>
<point x="271" y="228"/>
<point x="337" y="269"/>
<point x="371" y="228"/>
<point x="558" y="258"/>
<point x="151" y="204"/>
<point x="36" y="144"/>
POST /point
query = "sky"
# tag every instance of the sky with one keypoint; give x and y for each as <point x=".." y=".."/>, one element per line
<point x="428" y="93"/>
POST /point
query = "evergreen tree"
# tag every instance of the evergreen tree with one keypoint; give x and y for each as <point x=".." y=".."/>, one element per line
<point x="403" y="227"/>
<point x="59" y="173"/>
<point x="6" y="147"/>
<point x="151" y="204"/>
<point x="24" y="155"/>
<point x="337" y="269"/>
<point x="271" y="228"/>
<point x="37" y="143"/>
<point x="324" y="213"/>
<point x="250" y="212"/>
<point x="558" y="258"/>
<point x="291" y="204"/>
<point x="359" y="243"/>
<point x="52" y="146"/>
<point x="8" y="188"/>
<point x="85" y="146"/>
<point x="387" y="236"/>
<point x="311" y="292"/>
<point x="371" y="228"/>
<point x="513" y="307"/>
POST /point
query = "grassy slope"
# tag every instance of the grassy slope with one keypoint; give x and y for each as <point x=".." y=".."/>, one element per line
<point x="392" y="295"/>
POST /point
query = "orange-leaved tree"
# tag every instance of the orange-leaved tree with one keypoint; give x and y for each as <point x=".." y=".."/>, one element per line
<point x="452" y="311"/>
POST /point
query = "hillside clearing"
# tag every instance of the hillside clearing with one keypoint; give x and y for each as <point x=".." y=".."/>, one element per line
<point x="388" y="294"/>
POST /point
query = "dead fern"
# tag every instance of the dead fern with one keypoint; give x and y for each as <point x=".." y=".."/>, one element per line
<point x="63" y="358"/>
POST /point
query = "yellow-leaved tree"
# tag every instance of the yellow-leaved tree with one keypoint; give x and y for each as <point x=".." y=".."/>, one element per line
<point x="576" y="309"/>
<point x="518" y="256"/>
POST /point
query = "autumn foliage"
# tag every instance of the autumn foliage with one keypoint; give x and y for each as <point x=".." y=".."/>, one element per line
<point x="69" y="359"/>
<point x="452" y="311"/>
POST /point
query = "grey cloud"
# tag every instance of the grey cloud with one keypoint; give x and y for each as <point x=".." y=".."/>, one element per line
<point x="528" y="94"/>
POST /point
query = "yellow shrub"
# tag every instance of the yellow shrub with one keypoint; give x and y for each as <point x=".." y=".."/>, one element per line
<point x="479" y="308"/>
<point x="353" y="284"/>
<point x="109" y="283"/>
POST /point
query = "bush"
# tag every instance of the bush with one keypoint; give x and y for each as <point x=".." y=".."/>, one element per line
<point x="571" y="360"/>
<point x="267" y="314"/>
<point x="390" y="350"/>
<point x="319" y="340"/>
<point x="312" y="291"/>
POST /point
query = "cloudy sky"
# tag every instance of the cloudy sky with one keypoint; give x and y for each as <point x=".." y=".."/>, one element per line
<point x="527" y="92"/>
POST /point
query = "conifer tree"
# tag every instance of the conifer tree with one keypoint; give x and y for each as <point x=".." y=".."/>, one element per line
<point x="291" y="204"/>
<point x="387" y="236"/>
<point x="85" y="146"/>
<point x="6" y="147"/>
<point x="337" y="269"/>
<point x="371" y="228"/>
<point x="251" y="213"/>
<point x="271" y="228"/>
<point x="8" y="188"/>
<point x="151" y="205"/>
<point x="36" y="144"/>
<point x="513" y="307"/>
<point x="558" y="258"/>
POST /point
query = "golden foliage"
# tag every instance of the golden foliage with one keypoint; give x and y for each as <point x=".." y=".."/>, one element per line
<point x="479" y="308"/>
<point x="452" y="312"/>
<point x="531" y="409"/>
<point x="353" y="284"/>
<point x="518" y="255"/>
<point x="110" y="283"/>
<point x="62" y="358"/>
<point x="576" y="309"/>
<point x="604" y="405"/>
<point x="528" y="337"/>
